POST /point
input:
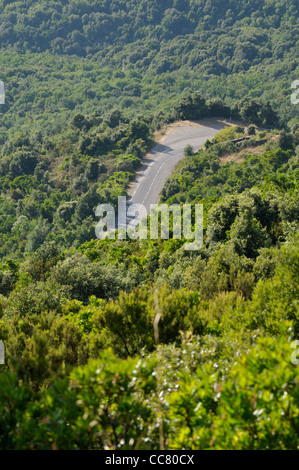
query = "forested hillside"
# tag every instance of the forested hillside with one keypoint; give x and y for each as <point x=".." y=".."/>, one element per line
<point x="90" y="86"/>
<point x="60" y="56"/>
<point x="229" y="316"/>
<point x="50" y="188"/>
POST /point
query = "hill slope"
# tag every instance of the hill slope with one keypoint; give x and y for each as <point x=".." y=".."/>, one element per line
<point x="88" y="86"/>
<point x="58" y="57"/>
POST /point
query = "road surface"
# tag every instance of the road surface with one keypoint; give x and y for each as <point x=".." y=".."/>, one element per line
<point x="159" y="165"/>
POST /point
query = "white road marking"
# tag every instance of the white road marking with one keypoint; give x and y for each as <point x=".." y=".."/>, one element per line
<point x="146" y="171"/>
<point x="175" y="141"/>
<point x="157" y="172"/>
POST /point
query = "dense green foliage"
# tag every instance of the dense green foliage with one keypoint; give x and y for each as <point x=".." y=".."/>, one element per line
<point x="235" y="298"/>
<point x="76" y="56"/>
<point x="89" y="85"/>
<point x="231" y="387"/>
<point x="50" y="188"/>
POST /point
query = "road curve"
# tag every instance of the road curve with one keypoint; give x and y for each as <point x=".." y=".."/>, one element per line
<point x="160" y="163"/>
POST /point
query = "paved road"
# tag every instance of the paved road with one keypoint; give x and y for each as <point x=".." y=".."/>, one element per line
<point x="162" y="160"/>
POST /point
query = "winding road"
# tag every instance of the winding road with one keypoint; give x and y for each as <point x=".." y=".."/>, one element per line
<point x="160" y="163"/>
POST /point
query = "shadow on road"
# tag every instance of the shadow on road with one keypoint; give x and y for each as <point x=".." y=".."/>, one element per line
<point x="160" y="148"/>
<point x="216" y="123"/>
